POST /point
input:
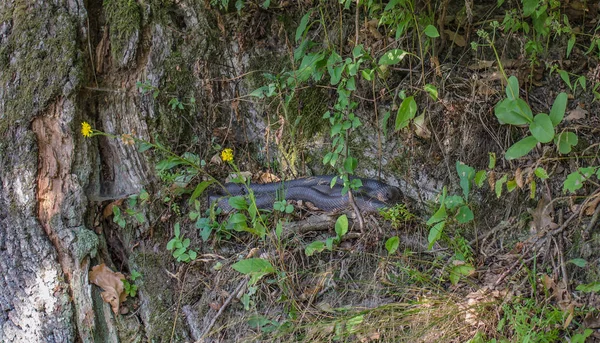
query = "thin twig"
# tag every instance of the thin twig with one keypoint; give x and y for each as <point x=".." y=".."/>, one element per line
<point x="222" y="309"/>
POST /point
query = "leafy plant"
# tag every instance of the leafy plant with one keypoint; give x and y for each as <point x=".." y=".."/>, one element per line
<point x="341" y="228"/>
<point x="130" y="287"/>
<point x="397" y="215"/>
<point x="180" y="246"/>
<point x="515" y="111"/>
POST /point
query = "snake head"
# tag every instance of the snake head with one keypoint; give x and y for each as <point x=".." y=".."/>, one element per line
<point x="390" y="194"/>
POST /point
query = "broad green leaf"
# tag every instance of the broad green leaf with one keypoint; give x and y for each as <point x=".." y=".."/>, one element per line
<point x="542" y="128"/>
<point x="464" y="215"/>
<point x="253" y="265"/>
<point x="529" y="6"/>
<point x="558" y="109"/>
<point x="573" y="182"/>
<point x="406" y="112"/>
<point x="351" y="84"/>
<point x="168" y="164"/>
<point x="521" y="148"/>
<point x="465" y="174"/>
<point x="199" y="189"/>
<point x="313" y="247"/>
<point x="579" y="262"/>
<point x="391" y="245"/>
<point x="171" y="244"/>
<point x="439" y="215"/>
<point x="302" y="27"/>
<point x="512" y="88"/>
<point x="435" y="233"/>
<point x="350" y="164"/>
<point x="565" y="141"/>
<point x="480" y="178"/>
<point x="238" y="202"/>
<point x="392" y="57"/>
<point x="341" y="225"/>
<point x="145" y="146"/>
<point x="432" y="91"/>
<point x="499" y="184"/>
<point x="367" y="74"/>
<point x="259" y="92"/>
<point x="511" y="185"/>
<point x="582" y="82"/>
<point x="514" y="112"/>
<point x="431" y="31"/>
<point x="453" y="201"/>
<point x="329" y="243"/>
<point x="541" y="173"/>
<point x="177" y="229"/>
<point x="593" y="287"/>
<point x="461" y="270"/>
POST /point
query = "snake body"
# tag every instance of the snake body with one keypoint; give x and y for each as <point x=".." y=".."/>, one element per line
<point x="316" y="190"/>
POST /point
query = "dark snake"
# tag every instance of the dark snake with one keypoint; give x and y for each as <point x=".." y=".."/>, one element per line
<point x="372" y="196"/>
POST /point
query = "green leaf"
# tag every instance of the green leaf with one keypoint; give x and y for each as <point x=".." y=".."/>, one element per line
<point x="177" y="229"/>
<point x="498" y="186"/>
<point x="573" y="182"/>
<point x="238" y="202"/>
<point x="582" y="80"/>
<point x="392" y="57"/>
<point x="199" y="189"/>
<point x="367" y="74"/>
<point x="492" y="163"/>
<point x="432" y="91"/>
<point x="145" y="146"/>
<point x="464" y="215"/>
<point x="313" y="247"/>
<point x="350" y="164"/>
<point x="465" y="174"/>
<point x="565" y="141"/>
<point x="558" y="109"/>
<point x="406" y="112"/>
<point x="461" y="270"/>
<point x="532" y="189"/>
<point x="391" y="245"/>
<point x="511" y="185"/>
<point x="302" y="27"/>
<point x="341" y="225"/>
<point x="351" y="84"/>
<point x="514" y="112"/>
<point x="431" y="31"/>
<point x="480" y="178"/>
<point x="253" y="265"/>
<point x="439" y="215"/>
<point x="521" y="148"/>
<point x="435" y="233"/>
<point x="453" y="201"/>
<point x="541" y="173"/>
<point x="593" y="287"/>
<point x="171" y="244"/>
<point x="542" y="128"/>
<point x="570" y="45"/>
<point x="186" y="242"/>
<point x="565" y="77"/>
<point x="512" y="88"/>
<point x="579" y="262"/>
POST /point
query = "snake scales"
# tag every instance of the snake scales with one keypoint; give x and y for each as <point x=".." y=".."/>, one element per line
<point x="316" y="190"/>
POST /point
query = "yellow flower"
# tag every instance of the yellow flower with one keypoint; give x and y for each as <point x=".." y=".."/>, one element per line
<point x="227" y="155"/>
<point x="86" y="129"/>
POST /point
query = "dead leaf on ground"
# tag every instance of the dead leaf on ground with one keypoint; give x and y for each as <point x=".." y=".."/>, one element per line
<point x="216" y="159"/>
<point x="435" y="63"/>
<point x="108" y="210"/>
<point x="591" y="321"/>
<point x="519" y="178"/>
<point x="114" y="293"/>
<point x="372" y="27"/>
<point x="542" y="218"/>
<point x="267" y="177"/>
<point x="576" y="114"/>
<point x="456" y="38"/>
<point x="591" y="206"/>
<point x="481" y="65"/>
<point x="421" y="128"/>
<point x="245" y="175"/>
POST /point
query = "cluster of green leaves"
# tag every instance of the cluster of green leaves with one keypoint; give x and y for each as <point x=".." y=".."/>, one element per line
<point x="132" y="202"/>
<point x="256" y="269"/>
<point x="180" y="246"/>
<point x="130" y="287"/>
<point x="341" y="228"/>
<point x="576" y="179"/>
<point x="515" y="111"/>
<point x="397" y="215"/>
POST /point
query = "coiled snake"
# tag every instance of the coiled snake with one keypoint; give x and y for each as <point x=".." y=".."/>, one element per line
<point x="316" y="190"/>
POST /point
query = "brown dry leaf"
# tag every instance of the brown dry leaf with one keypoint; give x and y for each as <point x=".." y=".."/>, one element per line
<point x="435" y="63"/>
<point x="591" y="206"/>
<point x="372" y="27"/>
<point x="267" y="177"/>
<point x="114" y="293"/>
<point x="456" y="38"/>
<point x="576" y="114"/>
<point x="216" y="159"/>
<point x="108" y="210"/>
<point x="492" y="179"/>
<point x="420" y="128"/>
<point x="371" y="336"/>
<point x="483" y="88"/>
<point x="519" y="178"/>
<point x="591" y="321"/>
<point x="578" y="5"/>
<point x="541" y="216"/>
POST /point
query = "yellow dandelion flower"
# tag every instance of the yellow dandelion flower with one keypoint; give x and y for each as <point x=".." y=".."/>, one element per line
<point x="86" y="129"/>
<point x="227" y="155"/>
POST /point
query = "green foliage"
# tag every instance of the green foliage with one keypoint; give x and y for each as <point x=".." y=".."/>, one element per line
<point x="256" y="268"/>
<point x="515" y="111"/>
<point x="180" y="246"/>
<point x="529" y="321"/>
<point x="392" y="244"/>
<point x="576" y="179"/>
<point x="130" y="287"/>
<point x="397" y="215"/>
<point x="341" y="228"/>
